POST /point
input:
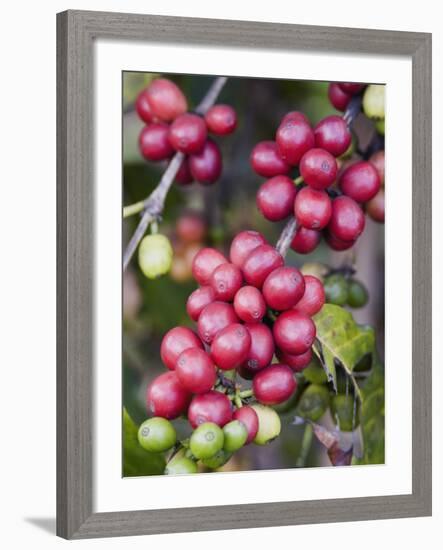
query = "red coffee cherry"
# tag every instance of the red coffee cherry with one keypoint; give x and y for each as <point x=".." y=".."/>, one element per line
<point x="351" y="88"/>
<point x="274" y="384"/>
<point x="296" y="362"/>
<point x="188" y="133"/>
<point x="206" y="166"/>
<point x="314" y="297"/>
<point x="221" y="119"/>
<point x="191" y="228"/>
<point x="339" y="99"/>
<point x="195" y="370"/>
<point x="166" y="100"/>
<point x="294" y="332"/>
<point x="214" y="318"/>
<point x="318" y="168"/>
<point x="266" y="160"/>
<point x="294" y="137"/>
<point x="204" y="264"/>
<point x="184" y="176"/>
<point x="225" y="281"/>
<point x="243" y="244"/>
<point x="337" y="244"/>
<point x="249" y="304"/>
<point x="176" y="341"/>
<point x="376" y="207"/>
<point x="332" y="134"/>
<point x="260" y="262"/>
<point x="153" y="142"/>
<point x="360" y="181"/>
<point x="210" y="407"/>
<point x="198" y="300"/>
<point x="305" y="240"/>
<point x="166" y="397"/>
<point x="143" y="108"/>
<point x="295" y="115"/>
<point x="283" y="288"/>
<point x="312" y="208"/>
<point x="378" y="161"/>
<point x="347" y="219"/>
<point x="262" y="347"/>
<point x="230" y="347"/>
<point x="249" y="418"/>
<point x="275" y="198"/>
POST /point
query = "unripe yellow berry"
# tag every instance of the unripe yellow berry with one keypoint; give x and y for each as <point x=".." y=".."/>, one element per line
<point x="374" y="101"/>
<point x="155" y="255"/>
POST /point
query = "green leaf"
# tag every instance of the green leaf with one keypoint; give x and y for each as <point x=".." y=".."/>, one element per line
<point x="137" y="461"/>
<point x="341" y="340"/>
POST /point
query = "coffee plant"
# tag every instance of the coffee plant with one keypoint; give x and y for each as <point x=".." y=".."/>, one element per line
<point x="263" y="338"/>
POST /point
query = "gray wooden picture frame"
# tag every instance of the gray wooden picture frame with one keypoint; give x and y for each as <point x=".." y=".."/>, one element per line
<point x="76" y="32"/>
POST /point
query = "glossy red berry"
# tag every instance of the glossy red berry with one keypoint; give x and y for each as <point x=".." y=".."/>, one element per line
<point x="230" y="346"/>
<point x="338" y="98"/>
<point x="305" y="240"/>
<point x="275" y="198"/>
<point x="210" y="407"/>
<point x="260" y="262"/>
<point x="262" y="347"/>
<point x="296" y="362"/>
<point x="294" y="332"/>
<point x="376" y="207"/>
<point x="214" y="318"/>
<point x="188" y="133"/>
<point x="351" y="88"/>
<point x="332" y="134"/>
<point x="221" y="119"/>
<point x="283" y="288"/>
<point x="312" y="208"/>
<point x="274" y="384"/>
<point x="347" y="219"/>
<point x="174" y="342"/>
<point x="266" y="160"/>
<point x="195" y="370"/>
<point x="166" y="100"/>
<point x="313" y="298"/>
<point x="184" y="176"/>
<point x="198" y="300"/>
<point x="294" y="115"/>
<point x="360" y="181"/>
<point x="294" y="137"/>
<point x="153" y="142"/>
<point x="226" y="279"/>
<point x="249" y="418"/>
<point x="166" y="397"/>
<point x="249" y="304"/>
<point x="318" y="168"/>
<point x="206" y="166"/>
<point x="143" y="108"/>
<point x="191" y="227"/>
<point x="336" y="243"/>
<point x="204" y="264"/>
<point x="243" y="244"/>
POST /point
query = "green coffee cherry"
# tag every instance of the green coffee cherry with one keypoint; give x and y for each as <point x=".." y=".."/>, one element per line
<point x="206" y="440"/>
<point x="336" y="289"/>
<point x="316" y="269"/>
<point x="313" y="402"/>
<point x="155" y="255"/>
<point x="269" y="425"/>
<point x="287" y="405"/>
<point x="380" y="127"/>
<point x="342" y="410"/>
<point x="357" y="294"/>
<point x="181" y="465"/>
<point x="314" y="372"/>
<point x="218" y="460"/>
<point x="157" y="435"/>
<point x="374" y="102"/>
<point x="235" y="434"/>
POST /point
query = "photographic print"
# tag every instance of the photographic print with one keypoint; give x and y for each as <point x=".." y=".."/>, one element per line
<point x="253" y="274"/>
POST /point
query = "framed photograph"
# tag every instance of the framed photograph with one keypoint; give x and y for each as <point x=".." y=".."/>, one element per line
<point x="244" y="274"/>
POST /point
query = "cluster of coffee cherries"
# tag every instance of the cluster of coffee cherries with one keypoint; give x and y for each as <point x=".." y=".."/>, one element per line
<point x="171" y="128"/>
<point x="248" y="309"/>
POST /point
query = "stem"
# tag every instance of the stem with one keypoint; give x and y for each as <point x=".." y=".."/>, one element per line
<point x="353" y="109"/>
<point x="132" y="209"/>
<point x="286" y="237"/>
<point x="305" y="445"/>
<point x="245" y="393"/>
<point x="154" y="204"/>
<point x="299" y="180"/>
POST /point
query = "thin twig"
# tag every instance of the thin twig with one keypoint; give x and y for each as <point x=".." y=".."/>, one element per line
<point x="286" y="237"/>
<point x="154" y="204"/>
<point x="353" y="109"/>
<point x="305" y="446"/>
